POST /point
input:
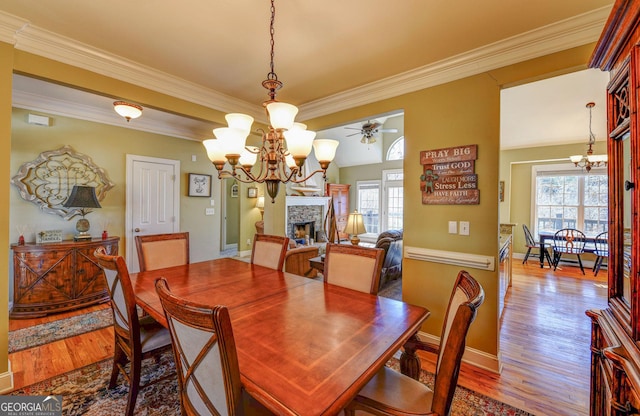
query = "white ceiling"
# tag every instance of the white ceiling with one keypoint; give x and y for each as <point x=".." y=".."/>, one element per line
<point x="330" y="55"/>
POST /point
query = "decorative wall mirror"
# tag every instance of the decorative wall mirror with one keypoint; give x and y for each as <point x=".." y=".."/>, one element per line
<point x="47" y="181"/>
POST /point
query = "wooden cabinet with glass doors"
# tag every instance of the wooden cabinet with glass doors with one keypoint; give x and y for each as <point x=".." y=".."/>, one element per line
<point x="615" y="334"/>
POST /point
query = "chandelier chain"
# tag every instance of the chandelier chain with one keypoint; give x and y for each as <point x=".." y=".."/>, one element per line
<point x="272" y="75"/>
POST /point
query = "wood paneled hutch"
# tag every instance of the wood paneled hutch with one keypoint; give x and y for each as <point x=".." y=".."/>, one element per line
<point x="56" y="277"/>
<point x="615" y="335"/>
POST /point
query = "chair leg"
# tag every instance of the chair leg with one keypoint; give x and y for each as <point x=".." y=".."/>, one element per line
<point x="546" y="254"/>
<point x="119" y="358"/>
<point x="597" y="264"/>
<point x="556" y="260"/>
<point x="580" y="263"/>
<point x="526" y="256"/>
<point x="134" y="386"/>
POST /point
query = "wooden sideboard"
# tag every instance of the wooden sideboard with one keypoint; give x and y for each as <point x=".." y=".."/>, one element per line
<point x="56" y="277"/>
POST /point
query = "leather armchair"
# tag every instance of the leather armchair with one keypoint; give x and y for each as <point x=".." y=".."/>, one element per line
<point x="296" y="261"/>
<point x="391" y="242"/>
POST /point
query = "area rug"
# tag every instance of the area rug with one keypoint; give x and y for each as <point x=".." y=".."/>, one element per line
<point x="392" y="290"/>
<point x="84" y="392"/>
<point x="36" y="335"/>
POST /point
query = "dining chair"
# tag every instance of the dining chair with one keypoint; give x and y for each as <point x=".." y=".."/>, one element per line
<point x="601" y="250"/>
<point x="135" y="338"/>
<point x="568" y="241"/>
<point x="206" y="358"/>
<point x="158" y="251"/>
<point x="269" y="250"/>
<point x="353" y="267"/>
<point x="392" y="393"/>
<point x="532" y="244"/>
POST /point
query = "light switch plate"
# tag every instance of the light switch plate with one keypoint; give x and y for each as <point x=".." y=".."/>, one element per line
<point x="453" y="227"/>
<point x="209" y="211"/>
<point x="464" y="227"/>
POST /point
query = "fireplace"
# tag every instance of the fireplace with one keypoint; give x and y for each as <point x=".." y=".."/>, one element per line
<point x="305" y="215"/>
<point x="301" y="230"/>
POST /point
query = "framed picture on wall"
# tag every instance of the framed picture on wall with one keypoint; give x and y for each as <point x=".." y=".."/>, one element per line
<point x="199" y="185"/>
<point x="252" y="192"/>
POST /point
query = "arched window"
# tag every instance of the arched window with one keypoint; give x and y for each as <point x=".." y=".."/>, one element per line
<point x="396" y="150"/>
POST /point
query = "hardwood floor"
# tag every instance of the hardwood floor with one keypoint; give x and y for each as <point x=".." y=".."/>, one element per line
<point x="544" y="343"/>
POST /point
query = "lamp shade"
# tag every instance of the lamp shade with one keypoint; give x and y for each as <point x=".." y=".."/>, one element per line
<point x="239" y="121"/>
<point x="260" y="202"/>
<point x="232" y="139"/>
<point x="355" y="224"/>
<point x="215" y="152"/>
<point x="82" y="197"/>
<point x="325" y="149"/>
<point x="281" y="115"/>
<point x="299" y="142"/>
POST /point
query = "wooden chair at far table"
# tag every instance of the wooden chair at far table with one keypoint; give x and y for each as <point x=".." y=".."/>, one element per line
<point x="353" y="267"/>
<point x="392" y="393"/>
<point x="135" y="337"/>
<point x="532" y="244"/>
<point x="568" y="241"/>
<point x="158" y="251"/>
<point x="269" y="251"/>
<point x="206" y="358"/>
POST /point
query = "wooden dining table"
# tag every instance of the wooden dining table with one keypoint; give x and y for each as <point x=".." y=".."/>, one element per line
<point x="304" y="347"/>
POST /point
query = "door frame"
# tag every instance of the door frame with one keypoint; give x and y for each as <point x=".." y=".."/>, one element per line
<point x="128" y="228"/>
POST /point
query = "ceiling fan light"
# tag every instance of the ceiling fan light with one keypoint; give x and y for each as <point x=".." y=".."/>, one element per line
<point x="299" y="142"/>
<point x="127" y="110"/>
<point x="281" y="115"/>
<point x="325" y="149"/>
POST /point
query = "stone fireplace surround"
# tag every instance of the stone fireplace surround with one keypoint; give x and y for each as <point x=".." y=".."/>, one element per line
<point x="301" y="209"/>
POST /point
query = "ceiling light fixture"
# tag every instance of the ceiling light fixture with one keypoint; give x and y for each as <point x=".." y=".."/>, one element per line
<point x="127" y="110"/>
<point x="590" y="160"/>
<point x="278" y="164"/>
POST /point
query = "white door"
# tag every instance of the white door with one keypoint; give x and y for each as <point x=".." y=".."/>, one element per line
<point x="153" y="200"/>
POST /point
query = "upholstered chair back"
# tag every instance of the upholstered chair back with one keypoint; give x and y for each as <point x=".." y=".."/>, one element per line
<point x="269" y="250"/>
<point x="162" y="250"/>
<point x="353" y="267"/>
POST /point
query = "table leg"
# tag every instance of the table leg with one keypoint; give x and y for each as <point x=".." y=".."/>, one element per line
<point x="409" y="361"/>
<point x="542" y="250"/>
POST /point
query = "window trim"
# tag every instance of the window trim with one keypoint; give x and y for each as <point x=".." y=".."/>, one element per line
<point x="378" y="183"/>
<point x="395" y="142"/>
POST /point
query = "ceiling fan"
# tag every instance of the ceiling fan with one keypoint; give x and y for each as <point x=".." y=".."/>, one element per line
<point x="368" y="130"/>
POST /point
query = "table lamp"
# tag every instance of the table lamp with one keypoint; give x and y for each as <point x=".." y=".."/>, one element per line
<point x="83" y="197"/>
<point x="355" y="226"/>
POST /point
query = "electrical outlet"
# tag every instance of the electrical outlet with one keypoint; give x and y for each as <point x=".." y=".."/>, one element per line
<point x="453" y="227"/>
<point x="464" y="227"/>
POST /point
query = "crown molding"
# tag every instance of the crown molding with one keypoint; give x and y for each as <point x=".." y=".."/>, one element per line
<point x="575" y="31"/>
<point x="160" y="124"/>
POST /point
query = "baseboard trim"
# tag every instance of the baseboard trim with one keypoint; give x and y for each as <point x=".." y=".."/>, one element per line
<point x="471" y="356"/>
<point x="6" y="380"/>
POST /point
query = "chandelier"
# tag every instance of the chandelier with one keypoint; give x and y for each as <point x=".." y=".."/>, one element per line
<point x="590" y="160"/>
<point x="285" y="146"/>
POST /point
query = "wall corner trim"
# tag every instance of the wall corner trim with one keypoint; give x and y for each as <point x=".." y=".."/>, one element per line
<point x="471" y="356"/>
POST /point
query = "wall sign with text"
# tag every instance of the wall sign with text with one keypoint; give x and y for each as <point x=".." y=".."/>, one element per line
<point x="448" y="176"/>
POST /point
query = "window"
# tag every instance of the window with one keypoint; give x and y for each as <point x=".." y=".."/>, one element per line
<point x="396" y="150"/>
<point x="570" y="199"/>
<point x="393" y="199"/>
<point x="369" y="204"/>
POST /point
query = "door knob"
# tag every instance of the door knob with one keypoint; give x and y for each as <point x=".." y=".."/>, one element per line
<point x="137" y="230"/>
